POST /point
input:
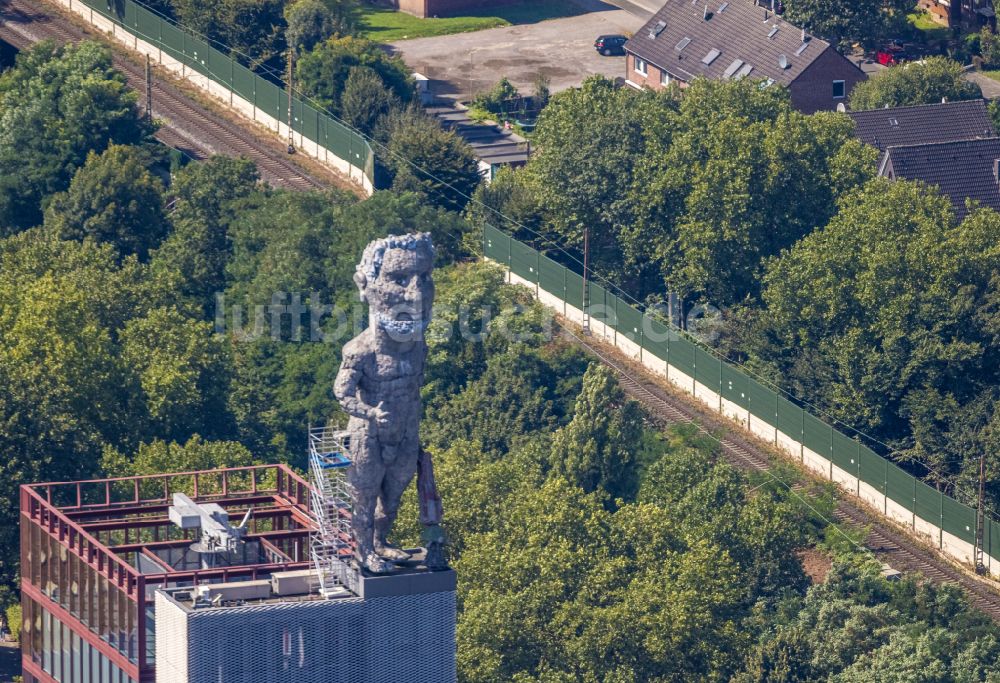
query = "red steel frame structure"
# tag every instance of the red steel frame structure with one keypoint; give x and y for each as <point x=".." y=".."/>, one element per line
<point x="87" y="607"/>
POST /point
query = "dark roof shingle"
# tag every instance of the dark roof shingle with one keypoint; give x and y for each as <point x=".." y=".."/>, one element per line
<point x="928" y="123"/>
<point x="961" y="169"/>
<point x="733" y="39"/>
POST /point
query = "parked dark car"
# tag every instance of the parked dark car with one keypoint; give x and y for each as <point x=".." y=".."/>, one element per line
<point x="610" y="45"/>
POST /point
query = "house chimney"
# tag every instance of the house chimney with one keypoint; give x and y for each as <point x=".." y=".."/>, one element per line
<point x="765" y="15"/>
<point x="706" y="15"/>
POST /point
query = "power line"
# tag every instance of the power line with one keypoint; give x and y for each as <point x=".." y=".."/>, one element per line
<point x="572" y="257"/>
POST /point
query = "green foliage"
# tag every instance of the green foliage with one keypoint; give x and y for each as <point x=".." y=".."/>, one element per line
<point x="310" y="22"/>
<point x="885" y="318"/>
<point x="989" y="48"/>
<point x="254" y="28"/>
<point x="928" y="81"/>
<point x="158" y="457"/>
<point x="596" y="450"/>
<point x="113" y="198"/>
<point x="366" y="102"/>
<point x="323" y="73"/>
<point x="430" y="161"/>
<point x="844" y="22"/>
<point x="498" y="99"/>
<point x="735" y="177"/>
<point x="590" y="142"/>
<point x="13" y="615"/>
<point x="57" y="105"/>
<point x="183" y="373"/>
<point x="193" y="258"/>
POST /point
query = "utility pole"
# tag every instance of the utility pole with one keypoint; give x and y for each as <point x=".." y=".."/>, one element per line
<point x="586" y="261"/>
<point x="980" y="516"/>
<point x="149" y="90"/>
<point x="291" y="133"/>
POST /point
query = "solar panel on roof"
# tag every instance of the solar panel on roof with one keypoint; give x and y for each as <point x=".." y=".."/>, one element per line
<point x="712" y="55"/>
<point x="745" y="71"/>
<point x="732" y="68"/>
<point x="683" y="44"/>
<point x="801" y="49"/>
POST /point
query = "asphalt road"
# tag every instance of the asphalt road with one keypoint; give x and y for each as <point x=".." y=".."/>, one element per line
<point x="562" y="49"/>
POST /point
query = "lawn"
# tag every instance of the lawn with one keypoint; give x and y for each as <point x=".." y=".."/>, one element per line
<point x="385" y="25"/>
<point x="931" y="29"/>
<point x="994" y="74"/>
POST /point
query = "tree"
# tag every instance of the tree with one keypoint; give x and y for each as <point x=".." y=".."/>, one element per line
<point x="596" y="450"/>
<point x="931" y="80"/>
<point x="113" y="198"/>
<point x="183" y="372"/>
<point x="498" y="99"/>
<point x="253" y="28"/>
<point x="590" y="141"/>
<point x="843" y="22"/>
<point x="192" y="260"/>
<point x="881" y="318"/>
<point x="57" y="105"/>
<point x="322" y="73"/>
<point x="366" y="102"/>
<point x="158" y="457"/>
<point x="310" y="22"/>
<point x="431" y="161"/>
<point x="733" y="179"/>
<point x="66" y="392"/>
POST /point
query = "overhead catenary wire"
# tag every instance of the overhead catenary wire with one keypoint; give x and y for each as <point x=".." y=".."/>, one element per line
<point x="562" y="248"/>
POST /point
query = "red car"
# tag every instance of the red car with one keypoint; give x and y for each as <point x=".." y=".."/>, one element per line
<point x="891" y="55"/>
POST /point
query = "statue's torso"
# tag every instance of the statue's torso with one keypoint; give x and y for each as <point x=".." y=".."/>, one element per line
<point x="394" y="380"/>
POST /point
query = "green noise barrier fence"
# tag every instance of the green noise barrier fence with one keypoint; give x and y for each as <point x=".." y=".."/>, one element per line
<point x="940" y="519"/>
<point x="189" y="55"/>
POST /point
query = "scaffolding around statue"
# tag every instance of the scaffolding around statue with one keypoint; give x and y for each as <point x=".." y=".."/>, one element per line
<point x="331" y="543"/>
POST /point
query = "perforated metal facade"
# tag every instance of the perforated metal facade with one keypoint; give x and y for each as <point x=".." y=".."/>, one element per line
<point x="400" y="638"/>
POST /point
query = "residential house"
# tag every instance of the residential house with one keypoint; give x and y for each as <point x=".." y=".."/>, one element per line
<point x="923" y="124"/>
<point x="963" y="169"/>
<point x="731" y="39"/>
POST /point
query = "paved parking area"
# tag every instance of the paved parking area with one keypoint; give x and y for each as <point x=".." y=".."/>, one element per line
<point x="562" y="49"/>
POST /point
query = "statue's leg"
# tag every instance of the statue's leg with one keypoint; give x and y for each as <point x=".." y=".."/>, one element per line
<point x="398" y="476"/>
<point x="365" y="477"/>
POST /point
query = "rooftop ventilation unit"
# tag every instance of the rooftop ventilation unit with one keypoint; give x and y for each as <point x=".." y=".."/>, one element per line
<point x="683" y="44"/>
<point x="712" y="55"/>
<point x="657" y="30"/>
<point x="732" y="68"/>
<point x="783" y="61"/>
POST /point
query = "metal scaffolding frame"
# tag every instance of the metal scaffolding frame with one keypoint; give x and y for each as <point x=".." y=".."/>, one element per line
<point x="332" y="544"/>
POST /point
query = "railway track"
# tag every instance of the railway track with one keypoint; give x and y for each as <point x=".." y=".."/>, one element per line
<point x="883" y="539"/>
<point x="188" y="125"/>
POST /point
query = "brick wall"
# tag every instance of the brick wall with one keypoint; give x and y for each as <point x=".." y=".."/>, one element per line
<point x="445" y="8"/>
<point x="653" y="78"/>
<point x="812" y="91"/>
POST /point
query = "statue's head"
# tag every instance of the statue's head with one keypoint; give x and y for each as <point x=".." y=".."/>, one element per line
<point x="394" y="279"/>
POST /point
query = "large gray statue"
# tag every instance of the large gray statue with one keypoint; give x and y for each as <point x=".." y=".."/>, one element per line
<point x="379" y="387"/>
